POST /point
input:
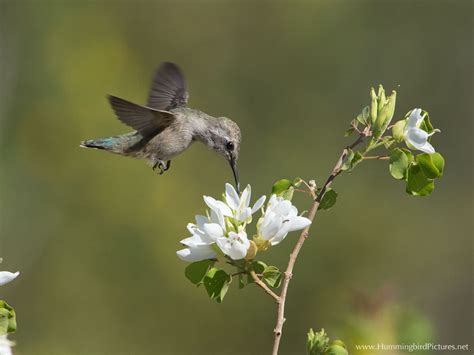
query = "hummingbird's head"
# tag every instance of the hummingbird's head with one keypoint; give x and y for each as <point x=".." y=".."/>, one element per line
<point x="226" y="141"/>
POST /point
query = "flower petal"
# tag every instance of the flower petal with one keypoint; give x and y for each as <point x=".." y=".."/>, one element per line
<point x="196" y="254"/>
<point x="235" y="246"/>
<point x="191" y="227"/>
<point x="7" y="276"/>
<point x="283" y="207"/>
<point x="257" y="205"/>
<point x="245" y="197"/>
<point x="197" y="240"/>
<point x="200" y="220"/>
<point x="213" y="230"/>
<point x="244" y="214"/>
<point x="282" y="232"/>
<point x="426" y="148"/>
<point x="238" y="251"/>
<point x="416" y="135"/>
<point x="231" y="197"/>
<point x="298" y="223"/>
<point x="415" y="119"/>
<point x="270" y="225"/>
<point x="5" y="345"/>
<point x="418" y="139"/>
<point x="216" y="205"/>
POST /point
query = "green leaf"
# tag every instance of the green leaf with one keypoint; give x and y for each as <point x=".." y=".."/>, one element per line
<point x="272" y="276"/>
<point x="258" y="267"/>
<point x="438" y="161"/>
<point x="432" y="165"/>
<point x="347" y="164"/>
<point x="7" y="318"/>
<point x="426" y="123"/>
<point x="281" y="186"/>
<point x="195" y="272"/>
<point x="288" y="194"/>
<point x="417" y="183"/>
<point x="329" y="200"/>
<point x="356" y="160"/>
<point x="351" y="160"/>
<point x="217" y="283"/>
<point x="363" y="117"/>
<point x="399" y="163"/>
<point x="389" y="143"/>
<point x="409" y="155"/>
<point x="349" y="132"/>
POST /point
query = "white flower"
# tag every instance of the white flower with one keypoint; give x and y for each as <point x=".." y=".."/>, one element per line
<point x="414" y="136"/>
<point x="224" y="226"/>
<point x="199" y="244"/>
<point x="280" y="218"/>
<point x="234" y="206"/>
<point x="6" y="277"/>
<point x="240" y="205"/>
<point x="235" y="245"/>
<point x="5" y="345"/>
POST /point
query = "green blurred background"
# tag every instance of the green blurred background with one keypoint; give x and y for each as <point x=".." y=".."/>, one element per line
<point x="95" y="235"/>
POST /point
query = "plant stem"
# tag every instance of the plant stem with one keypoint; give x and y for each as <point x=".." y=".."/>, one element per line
<point x="299" y="244"/>
<point x="303" y="191"/>
<point x="376" y="157"/>
<point x="260" y="283"/>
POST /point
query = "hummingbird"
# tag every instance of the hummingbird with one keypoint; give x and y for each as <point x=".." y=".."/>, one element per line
<point x="165" y="127"/>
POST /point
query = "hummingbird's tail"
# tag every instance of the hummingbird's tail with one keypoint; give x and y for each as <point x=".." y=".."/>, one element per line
<point x="105" y="144"/>
<point x="123" y="144"/>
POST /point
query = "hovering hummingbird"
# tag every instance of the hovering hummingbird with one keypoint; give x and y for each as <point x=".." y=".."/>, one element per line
<point x="166" y="126"/>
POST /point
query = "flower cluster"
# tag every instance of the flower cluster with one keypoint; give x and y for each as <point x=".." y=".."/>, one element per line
<point x="418" y="169"/>
<point x="223" y="230"/>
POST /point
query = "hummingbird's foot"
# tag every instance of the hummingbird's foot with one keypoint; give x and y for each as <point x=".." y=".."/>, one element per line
<point x="162" y="166"/>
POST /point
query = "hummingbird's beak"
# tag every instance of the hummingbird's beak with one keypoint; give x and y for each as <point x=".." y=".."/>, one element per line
<point x="233" y="165"/>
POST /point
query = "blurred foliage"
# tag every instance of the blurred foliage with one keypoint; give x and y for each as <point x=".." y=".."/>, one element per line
<point x="95" y="234"/>
<point x="7" y="318"/>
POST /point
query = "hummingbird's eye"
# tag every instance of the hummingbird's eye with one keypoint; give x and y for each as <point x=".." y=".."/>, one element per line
<point x="229" y="146"/>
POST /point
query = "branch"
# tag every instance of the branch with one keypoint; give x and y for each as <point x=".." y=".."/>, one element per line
<point x="264" y="287"/>
<point x="299" y="244"/>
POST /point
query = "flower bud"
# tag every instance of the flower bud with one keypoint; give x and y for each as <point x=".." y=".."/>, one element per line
<point x="339" y="342"/>
<point x="373" y="106"/>
<point x="335" y="349"/>
<point x="382" y="100"/>
<point x="252" y="251"/>
<point x="385" y="115"/>
<point x="262" y="244"/>
<point x="398" y="129"/>
<point x="317" y="342"/>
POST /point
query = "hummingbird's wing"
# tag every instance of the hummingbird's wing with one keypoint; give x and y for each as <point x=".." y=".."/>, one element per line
<point x="168" y="89"/>
<point x="146" y="121"/>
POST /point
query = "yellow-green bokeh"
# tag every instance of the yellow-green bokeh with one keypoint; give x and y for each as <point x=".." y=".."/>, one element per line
<point x="95" y="235"/>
